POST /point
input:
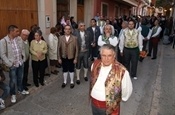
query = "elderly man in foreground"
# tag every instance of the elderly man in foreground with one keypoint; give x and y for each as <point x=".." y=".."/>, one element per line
<point x="110" y="83"/>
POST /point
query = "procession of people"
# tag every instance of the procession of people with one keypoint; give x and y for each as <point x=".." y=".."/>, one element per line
<point x="109" y="49"/>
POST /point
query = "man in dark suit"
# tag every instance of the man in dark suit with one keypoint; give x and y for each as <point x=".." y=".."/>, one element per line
<point x="95" y="33"/>
<point x="84" y="41"/>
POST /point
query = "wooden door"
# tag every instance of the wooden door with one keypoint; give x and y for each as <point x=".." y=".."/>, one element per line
<point x="62" y="9"/>
<point x="116" y="11"/>
<point x="22" y="13"/>
<point x="80" y="12"/>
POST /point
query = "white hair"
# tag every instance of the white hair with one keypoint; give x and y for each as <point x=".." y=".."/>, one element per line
<point x="25" y="31"/>
<point x="109" y="47"/>
<point x="112" y="29"/>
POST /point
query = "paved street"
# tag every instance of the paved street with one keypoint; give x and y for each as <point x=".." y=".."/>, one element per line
<point x="153" y="93"/>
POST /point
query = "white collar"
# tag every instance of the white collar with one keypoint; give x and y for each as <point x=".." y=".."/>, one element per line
<point x="109" y="66"/>
<point x="26" y="41"/>
<point x="38" y="42"/>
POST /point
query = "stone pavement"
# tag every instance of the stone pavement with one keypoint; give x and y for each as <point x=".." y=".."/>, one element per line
<point x="50" y="81"/>
<point x="32" y="88"/>
<point x="51" y="99"/>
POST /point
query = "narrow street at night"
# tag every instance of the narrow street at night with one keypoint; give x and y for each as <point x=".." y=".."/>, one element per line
<point x="153" y="92"/>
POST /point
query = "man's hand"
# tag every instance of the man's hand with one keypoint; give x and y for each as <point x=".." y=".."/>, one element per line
<point x="108" y="35"/>
<point x="59" y="61"/>
<point x="145" y="39"/>
<point x="143" y="54"/>
<point x="93" y="44"/>
<point x="75" y="61"/>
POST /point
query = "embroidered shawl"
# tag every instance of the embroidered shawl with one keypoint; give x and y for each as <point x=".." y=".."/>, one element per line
<point x="112" y="84"/>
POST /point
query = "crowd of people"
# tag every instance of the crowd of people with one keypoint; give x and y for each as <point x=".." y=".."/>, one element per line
<point x="113" y="45"/>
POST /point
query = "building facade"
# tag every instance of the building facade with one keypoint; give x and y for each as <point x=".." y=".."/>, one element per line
<point x="46" y="13"/>
<point x="114" y="8"/>
<point x="22" y="13"/>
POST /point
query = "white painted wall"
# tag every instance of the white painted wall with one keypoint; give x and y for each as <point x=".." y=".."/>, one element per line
<point x="88" y="11"/>
<point x="73" y="9"/>
<point x="46" y="8"/>
<point x="49" y="7"/>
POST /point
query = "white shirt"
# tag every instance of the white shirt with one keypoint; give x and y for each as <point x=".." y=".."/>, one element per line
<point x="157" y="32"/>
<point x="93" y="28"/>
<point x="131" y="31"/>
<point x="98" y="91"/>
<point x="149" y="34"/>
<point x="53" y="44"/>
<point x="67" y="38"/>
<point x="122" y="41"/>
<point x="26" y="42"/>
<point x="113" y="41"/>
<point x="121" y="32"/>
<point x="82" y="37"/>
<point x="82" y="34"/>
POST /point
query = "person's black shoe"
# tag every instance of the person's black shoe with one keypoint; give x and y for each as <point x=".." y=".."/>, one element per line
<point x="28" y="84"/>
<point x="37" y="85"/>
<point x="26" y="89"/>
<point x="153" y="58"/>
<point x="71" y="85"/>
<point x="92" y="59"/>
<point x="148" y="54"/>
<point x="141" y="59"/>
<point x="58" y="66"/>
<point x="46" y="74"/>
<point x="78" y="82"/>
<point x="42" y="84"/>
<point x="85" y="78"/>
<point x="54" y="72"/>
<point x="63" y="85"/>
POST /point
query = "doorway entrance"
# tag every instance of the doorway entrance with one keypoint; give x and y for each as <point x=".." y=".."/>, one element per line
<point x="62" y="9"/>
<point x="80" y="10"/>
